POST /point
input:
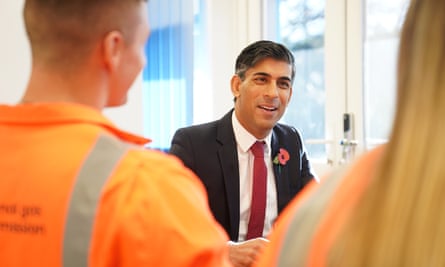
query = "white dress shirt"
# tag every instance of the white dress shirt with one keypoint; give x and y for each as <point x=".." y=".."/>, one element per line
<point x="244" y="141"/>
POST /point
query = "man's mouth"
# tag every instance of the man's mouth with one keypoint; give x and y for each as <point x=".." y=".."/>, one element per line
<point x="268" y="108"/>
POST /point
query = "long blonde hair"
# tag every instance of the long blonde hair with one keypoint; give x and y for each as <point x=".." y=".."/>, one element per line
<point x="400" y="220"/>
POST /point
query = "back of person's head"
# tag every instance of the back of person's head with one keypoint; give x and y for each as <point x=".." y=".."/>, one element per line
<point x="85" y="51"/>
<point x="63" y="32"/>
<point x="257" y="51"/>
<point x="399" y="221"/>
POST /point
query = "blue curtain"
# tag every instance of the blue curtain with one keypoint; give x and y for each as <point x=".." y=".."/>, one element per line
<point x="168" y="75"/>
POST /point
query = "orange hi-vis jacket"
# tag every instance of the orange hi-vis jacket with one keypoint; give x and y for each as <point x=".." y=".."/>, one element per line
<point x="308" y="227"/>
<point x="76" y="191"/>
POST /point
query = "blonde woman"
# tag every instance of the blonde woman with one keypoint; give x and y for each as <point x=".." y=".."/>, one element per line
<point x="388" y="208"/>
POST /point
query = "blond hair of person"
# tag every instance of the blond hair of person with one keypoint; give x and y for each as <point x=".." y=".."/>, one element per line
<point x="400" y="219"/>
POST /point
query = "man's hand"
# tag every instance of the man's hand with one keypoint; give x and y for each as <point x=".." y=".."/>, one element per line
<point x="244" y="254"/>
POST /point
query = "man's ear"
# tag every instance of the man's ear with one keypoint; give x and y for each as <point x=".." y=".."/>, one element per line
<point x="235" y="83"/>
<point x="113" y="45"/>
<point x="290" y="96"/>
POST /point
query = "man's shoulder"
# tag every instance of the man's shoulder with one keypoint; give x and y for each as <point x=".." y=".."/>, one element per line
<point x="197" y="132"/>
<point x="153" y="158"/>
<point x="207" y="128"/>
<point x="285" y="129"/>
<point x="200" y="126"/>
<point x="153" y="164"/>
<point x="149" y="176"/>
<point x="287" y="134"/>
<point x="134" y="155"/>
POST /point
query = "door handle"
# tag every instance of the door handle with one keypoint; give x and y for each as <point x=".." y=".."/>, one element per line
<point x="348" y="142"/>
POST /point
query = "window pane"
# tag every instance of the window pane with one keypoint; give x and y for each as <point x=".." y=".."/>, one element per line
<point x="168" y="76"/>
<point x="382" y="26"/>
<point x="301" y="29"/>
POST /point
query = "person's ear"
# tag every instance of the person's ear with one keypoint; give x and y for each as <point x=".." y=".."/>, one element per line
<point x="235" y="83"/>
<point x="290" y="96"/>
<point x="113" y="45"/>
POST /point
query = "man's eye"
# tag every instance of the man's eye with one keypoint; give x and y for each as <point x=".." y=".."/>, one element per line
<point x="260" y="80"/>
<point x="284" y="85"/>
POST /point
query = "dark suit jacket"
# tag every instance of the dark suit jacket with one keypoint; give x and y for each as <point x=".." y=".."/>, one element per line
<point x="210" y="150"/>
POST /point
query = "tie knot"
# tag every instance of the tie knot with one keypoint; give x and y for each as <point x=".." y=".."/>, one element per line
<point x="258" y="149"/>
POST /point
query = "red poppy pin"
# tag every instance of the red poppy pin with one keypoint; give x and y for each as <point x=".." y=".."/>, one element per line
<point x="282" y="157"/>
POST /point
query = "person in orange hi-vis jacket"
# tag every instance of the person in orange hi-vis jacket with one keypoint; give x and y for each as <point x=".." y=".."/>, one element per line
<point x="75" y="190"/>
<point x="387" y="208"/>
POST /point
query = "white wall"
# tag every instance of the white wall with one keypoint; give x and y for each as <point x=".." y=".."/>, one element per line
<point x="14" y="52"/>
<point x="232" y="24"/>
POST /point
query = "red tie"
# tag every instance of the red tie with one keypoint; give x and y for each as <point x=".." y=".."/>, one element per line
<point x="258" y="206"/>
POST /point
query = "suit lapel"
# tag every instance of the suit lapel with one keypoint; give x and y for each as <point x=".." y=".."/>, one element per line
<point x="228" y="157"/>
<point x="281" y="173"/>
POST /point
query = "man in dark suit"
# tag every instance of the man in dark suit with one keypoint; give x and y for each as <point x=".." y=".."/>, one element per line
<point x="219" y="151"/>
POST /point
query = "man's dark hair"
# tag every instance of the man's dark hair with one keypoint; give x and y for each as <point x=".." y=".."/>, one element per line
<point x="260" y="50"/>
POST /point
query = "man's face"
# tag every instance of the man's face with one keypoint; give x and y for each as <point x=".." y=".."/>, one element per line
<point x="133" y="56"/>
<point x="263" y="95"/>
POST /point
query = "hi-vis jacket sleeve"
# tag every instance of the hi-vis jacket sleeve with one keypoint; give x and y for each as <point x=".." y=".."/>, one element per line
<point x="165" y="219"/>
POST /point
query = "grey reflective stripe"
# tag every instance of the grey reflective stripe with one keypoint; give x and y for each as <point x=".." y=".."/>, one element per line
<point x="85" y="197"/>
<point x="298" y="238"/>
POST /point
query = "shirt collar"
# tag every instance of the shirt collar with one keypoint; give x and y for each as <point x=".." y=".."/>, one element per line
<point x="245" y="139"/>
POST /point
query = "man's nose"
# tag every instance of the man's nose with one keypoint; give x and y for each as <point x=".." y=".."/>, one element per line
<point x="272" y="89"/>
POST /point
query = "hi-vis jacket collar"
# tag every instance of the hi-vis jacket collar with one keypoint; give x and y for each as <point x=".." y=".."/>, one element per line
<point x="57" y="113"/>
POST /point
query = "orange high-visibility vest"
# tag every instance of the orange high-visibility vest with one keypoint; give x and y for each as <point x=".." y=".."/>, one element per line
<point x="76" y="191"/>
<point x="307" y="228"/>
